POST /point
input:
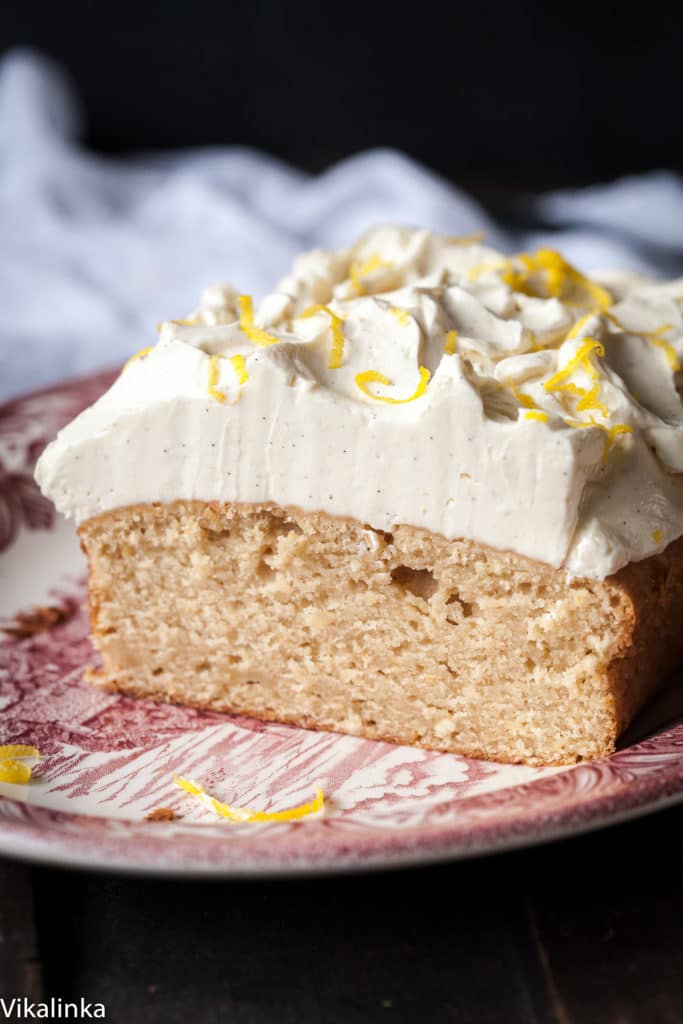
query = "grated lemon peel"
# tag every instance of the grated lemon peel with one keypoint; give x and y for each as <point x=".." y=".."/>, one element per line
<point x="239" y="366"/>
<point x="580" y="358"/>
<point x="358" y="271"/>
<point x="611" y="433"/>
<point x="667" y="348"/>
<point x="375" y="377"/>
<point x="589" y="400"/>
<point x="560" y="273"/>
<point x="618" y="430"/>
<point x="12" y="770"/>
<point x="218" y="396"/>
<point x="450" y="345"/>
<point x="575" y="331"/>
<point x="138" y="355"/>
<point x="402" y="316"/>
<point x="18" y="750"/>
<point x="336" y="327"/>
<point x="525" y="400"/>
<point x="256" y="335"/>
<point x="655" y="338"/>
<point x="245" y="814"/>
<point x="559" y="277"/>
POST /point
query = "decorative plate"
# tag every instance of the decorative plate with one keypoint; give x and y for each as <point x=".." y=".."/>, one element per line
<point x="108" y="762"/>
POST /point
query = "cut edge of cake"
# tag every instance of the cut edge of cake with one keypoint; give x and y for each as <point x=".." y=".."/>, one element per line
<point x="327" y="623"/>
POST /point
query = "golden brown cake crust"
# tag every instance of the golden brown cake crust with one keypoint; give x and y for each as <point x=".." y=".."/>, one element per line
<point x="326" y="623"/>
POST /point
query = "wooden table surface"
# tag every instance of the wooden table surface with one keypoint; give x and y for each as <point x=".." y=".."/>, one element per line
<point x="587" y="930"/>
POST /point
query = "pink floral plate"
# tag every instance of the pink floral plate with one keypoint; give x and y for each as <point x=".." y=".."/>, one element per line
<point x="108" y="762"/>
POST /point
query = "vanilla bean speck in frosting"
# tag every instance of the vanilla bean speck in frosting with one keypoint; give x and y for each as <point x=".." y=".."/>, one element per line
<point x="413" y="379"/>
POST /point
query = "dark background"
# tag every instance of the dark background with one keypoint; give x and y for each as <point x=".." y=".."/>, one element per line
<point x="514" y="95"/>
<point x="588" y="931"/>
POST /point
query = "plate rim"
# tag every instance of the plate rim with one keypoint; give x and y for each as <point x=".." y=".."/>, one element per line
<point x="31" y="850"/>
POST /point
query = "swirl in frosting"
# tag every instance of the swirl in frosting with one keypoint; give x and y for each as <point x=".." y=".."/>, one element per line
<point x="413" y="379"/>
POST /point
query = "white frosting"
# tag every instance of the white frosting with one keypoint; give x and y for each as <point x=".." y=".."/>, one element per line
<point x="497" y="447"/>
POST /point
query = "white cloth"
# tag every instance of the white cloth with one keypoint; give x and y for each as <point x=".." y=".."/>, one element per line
<point x="95" y="250"/>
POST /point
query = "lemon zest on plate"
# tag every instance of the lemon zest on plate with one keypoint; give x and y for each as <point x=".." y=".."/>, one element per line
<point x="12" y="770"/>
<point x="375" y="377"/>
<point x="246" y="814"/>
<point x="536" y="414"/>
<point x="18" y="750"/>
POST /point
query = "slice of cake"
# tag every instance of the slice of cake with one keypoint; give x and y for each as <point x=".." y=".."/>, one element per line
<point x="425" y="493"/>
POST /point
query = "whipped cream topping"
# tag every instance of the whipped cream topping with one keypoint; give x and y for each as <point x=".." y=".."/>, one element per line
<point x="411" y="379"/>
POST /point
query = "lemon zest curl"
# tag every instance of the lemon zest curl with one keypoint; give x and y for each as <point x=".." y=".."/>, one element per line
<point x="611" y="433"/>
<point x="336" y="327"/>
<point x="580" y="358"/>
<point x="219" y="396"/>
<point x="256" y="335"/>
<point x="245" y="814"/>
<point x="375" y="377"/>
<point x="359" y="271"/>
<point x="560" y="277"/>
<point x="523" y="399"/>
<point x="238" y="365"/>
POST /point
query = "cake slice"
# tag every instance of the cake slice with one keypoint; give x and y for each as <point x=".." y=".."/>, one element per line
<point x="425" y="493"/>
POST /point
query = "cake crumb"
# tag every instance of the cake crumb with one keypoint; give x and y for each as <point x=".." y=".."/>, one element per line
<point x="162" y="814"/>
<point x="39" y="619"/>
